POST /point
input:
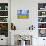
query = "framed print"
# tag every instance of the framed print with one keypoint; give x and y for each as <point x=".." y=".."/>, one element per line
<point x="22" y="14"/>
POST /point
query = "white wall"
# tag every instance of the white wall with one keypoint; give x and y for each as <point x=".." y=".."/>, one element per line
<point x="23" y="24"/>
<point x="32" y="5"/>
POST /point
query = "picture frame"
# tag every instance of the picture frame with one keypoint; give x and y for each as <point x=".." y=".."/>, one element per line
<point x="22" y="14"/>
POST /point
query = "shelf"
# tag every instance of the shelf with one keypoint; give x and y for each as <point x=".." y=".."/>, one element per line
<point x="41" y="28"/>
<point x="3" y="10"/>
<point x="3" y="16"/>
<point x="42" y="16"/>
<point x="41" y="22"/>
<point x="3" y="22"/>
<point x="41" y="10"/>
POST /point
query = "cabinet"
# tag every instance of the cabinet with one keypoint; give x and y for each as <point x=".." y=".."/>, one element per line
<point x="42" y="19"/>
<point x="3" y="40"/>
<point x="4" y="19"/>
<point x="4" y="23"/>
